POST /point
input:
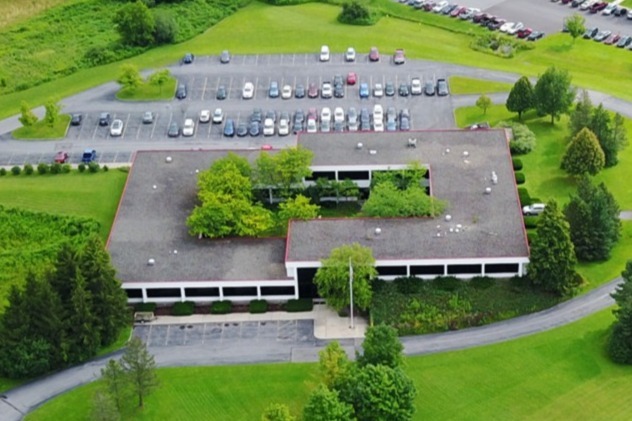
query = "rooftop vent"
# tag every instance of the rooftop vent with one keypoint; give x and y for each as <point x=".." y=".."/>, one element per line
<point x="197" y="171"/>
<point x="448" y="218"/>
<point x="175" y="252"/>
<point x="466" y="154"/>
<point x="359" y="145"/>
<point x="154" y="187"/>
<point x="412" y="143"/>
<point x="151" y="262"/>
<point x="378" y="231"/>
<point x="488" y="190"/>
<point x="168" y="160"/>
<point x="494" y="178"/>
<point x="447" y="151"/>
<point x="373" y="151"/>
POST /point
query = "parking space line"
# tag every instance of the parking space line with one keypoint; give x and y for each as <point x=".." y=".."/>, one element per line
<point x="125" y="125"/>
<point x="203" y="332"/>
<point x="94" y="132"/>
<point x="254" y="96"/>
<point x="204" y="88"/>
<point x="281" y="62"/>
<point x="170" y="120"/>
<point x="230" y="86"/>
<point x="210" y="127"/>
<point x="293" y="59"/>
<point x="115" y="157"/>
<point x="154" y="126"/>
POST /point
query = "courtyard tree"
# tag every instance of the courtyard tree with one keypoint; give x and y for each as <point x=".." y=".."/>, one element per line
<point x="298" y="207"/>
<point x="53" y="109"/>
<point x="520" y="97"/>
<point x="593" y="217"/>
<point x="129" y="77"/>
<point x="135" y="24"/>
<point x="277" y="412"/>
<point x="333" y="277"/>
<point x="27" y="117"/>
<point x="553" y="93"/>
<point x="381" y="346"/>
<point x="620" y="341"/>
<point x="160" y="78"/>
<point x="140" y="368"/>
<point x="283" y="171"/>
<point x="575" y="25"/>
<point x="386" y="200"/>
<point x="552" y="260"/>
<point x="581" y="115"/>
<point x="333" y="364"/>
<point x="583" y="155"/>
<point x="103" y="408"/>
<point x="324" y="404"/>
<point x="116" y="383"/>
<point x="484" y="102"/>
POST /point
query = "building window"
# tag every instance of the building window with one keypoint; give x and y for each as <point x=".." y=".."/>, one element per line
<point x="502" y="268"/>
<point x="353" y="175"/>
<point x="134" y="293"/>
<point x="163" y="292"/>
<point x="426" y="270"/>
<point x="465" y="269"/>
<point x="240" y="291"/>
<point x="328" y="175"/>
<point x="391" y="270"/>
<point x="277" y="290"/>
<point x="202" y="292"/>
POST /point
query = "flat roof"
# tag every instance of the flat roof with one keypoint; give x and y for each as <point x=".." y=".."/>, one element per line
<point x="461" y="165"/>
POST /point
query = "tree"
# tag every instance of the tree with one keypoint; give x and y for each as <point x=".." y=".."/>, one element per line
<point x="332" y="278"/>
<point x="135" y="24"/>
<point x="299" y="208"/>
<point x="521" y="97"/>
<point x="593" y="217"/>
<point x="355" y="13"/>
<point x="484" y="102"/>
<point x="277" y="412"/>
<point x="619" y="132"/>
<point x="166" y="27"/>
<point x="27" y="117"/>
<point x="575" y="25"/>
<point x="580" y="116"/>
<point x="522" y="140"/>
<point x="386" y="200"/>
<point x="620" y="341"/>
<point x="140" y="368"/>
<point x="130" y="77"/>
<point x="103" y="408"/>
<point x="623" y="291"/>
<point x="379" y="393"/>
<point x="83" y="337"/>
<point x="381" y="346"/>
<point x="52" y="112"/>
<point x="553" y="93"/>
<point x="600" y="124"/>
<point x="583" y="155"/>
<point x="552" y="261"/>
<point x="116" y="382"/>
<point x="333" y="364"/>
<point x="285" y="170"/>
<point x="325" y="405"/>
<point x="159" y="78"/>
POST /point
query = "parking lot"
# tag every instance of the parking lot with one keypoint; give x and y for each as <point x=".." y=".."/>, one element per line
<point x="283" y="331"/>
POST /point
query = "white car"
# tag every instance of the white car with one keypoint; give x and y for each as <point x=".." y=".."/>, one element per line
<point x="325" y="114"/>
<point x="533" y="209"/>
<point x="506" y="26"/>
<point x="378" y="114"/>
<point x="116" y="129"/>
<point x="440" y="6"/>
<point x="324" y="53"/>
<point x="350" y="54"/>
<point x="284" y="127"/>
<point x="609" y="9"/>
<point x="218" y="116"/>
<point x="327" y="90"/>
<point x="249" y="91"/>
<point x="188" y="128"/>
<point x="587" y="4"/>
<point x="312" y="127"/>
<point x="339" y="115"/>
<point x="518" y="26"/>
<point x="378" y="90"/>
<point x="415" y="86"/>
<point x="205" y="116"/>
<point x="286" y="92"/>
<point x="378" y="125"/>
<point x="268" y="127"/>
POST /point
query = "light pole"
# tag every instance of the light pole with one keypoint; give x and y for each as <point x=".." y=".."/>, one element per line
<point x="351" y="326"/>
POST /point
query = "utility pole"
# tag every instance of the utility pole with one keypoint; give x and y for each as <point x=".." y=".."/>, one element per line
<point x="351" y="326"/>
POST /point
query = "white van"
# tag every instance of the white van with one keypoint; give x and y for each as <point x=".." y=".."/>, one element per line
<point x="324" y="53"/>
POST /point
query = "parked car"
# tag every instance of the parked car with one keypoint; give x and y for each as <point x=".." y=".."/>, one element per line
<point x="205" y="116"/>
<point x="89" y="155"/>
<point x="515" y="28"/>
<point x="286" y="92"/>
<point x="312" y="91"/>
<point x="415" y="86"/>
<point x="188" y="128"/>
<point x="104" y="119"/>
<point x="181" y="92"/>
<point x="590" y="33"/>
<point x="174" y="130"/>
<point x="116" y="129"/>
<point x="242" y="129"/>
<point x="339" y="114"/>
<point x="324" y="53"/>
<point x="268" y="127"/>
<point x="378" y="90"/>
<point x="429" y="88"/>
<point x="533" y="209"/>
<point x="249" y="90"/>
<point x="598" y="7"/>
<point x="188" y="58"/>
<point x="352" y="119"/>
<point x="365" y="120"/>
<point x="442" y="87"/>
<point x="389" y="89"/>
<point x="469" y="13"/>
<point x="495" y="24"/>
<point x="350" y="54"/>
<point x="374" y="54"/>
<point x="229" y="128"/>
<point x="327" y="90"/>
<point x="339" y="91"/>
<point x="535" y="35"/>
<point x="439" y="6"/>
<point x="75" y="119"/>
<point x="299" y="92"/>
<point x="61" y="157"/>
<point x="284" y="124"/>
<point x="404" y="90"/>
<point x="273" y="91"/>
<point x="612" y="39"/>
<point x="602" y="35"/>
<point x="609" y="9"/>
<point x="218" y="116"/>
<point x="404" y="124"/>
<point x="257" y="115"/>
<point x="457" y="11"/>
<point x="399" y="57"/>
<point x="311" y="125"/>
<point x="148" y="117"/>
<point x="224" y="57"/>
<point x="254" y="129"/>
<point x="364" y="90"/>
<point x="352" y="78"/>
<point x="624" y="42"/>
<point x="524" y="33"/>
<point x="221" y="93"/>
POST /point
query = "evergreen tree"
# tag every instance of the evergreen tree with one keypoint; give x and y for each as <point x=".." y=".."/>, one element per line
<point x="140" y="368"/>
<point x="583" y="155"/>
<point x="62" y="276"/>
<point x="552" y="260"/>
<point x="620" y="342"/>
<point x="83" y="338"/>
<point x="601" y="126"/>
<point x="581" y="114"/>
<point x="521" y="97"/>
<point x="593" y="217"/>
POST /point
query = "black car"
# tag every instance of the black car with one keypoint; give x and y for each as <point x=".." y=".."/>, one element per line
<point x="429" y="88"/>
<point x="442" y="87"/>
<point x="229" y="128"/>
<point x="339" y="91"/>
<point x="299" y="91"/>
<point x="75" y="119"/>
<point x="188" y="58"/>
<point x="104" y="119"/>
<point x="404" y="90"/>
<point x="624" y="42"/>
<point x="254" y="129"/>
<point x="174" y="130"/>
<point x="590" y="33"/>
<point x="338" y="80"/>
<point x="242" y="129"/>
<point x="257" y="115"/>
<point x="181" y="92"/>
<point x="221" y="93"/>
<point x="535" y="35"/>
<point x="365" y="120"/>
<point x="389" y="89"/>
<point x="224" y="57"/>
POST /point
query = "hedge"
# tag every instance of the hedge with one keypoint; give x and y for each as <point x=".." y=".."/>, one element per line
<point x="302" y="304"/>
<point x="258" y="306"/>
<point x="221" y="307"/>
<point x="530" y="222"/>
<point x="517" y="164"/>
<point x="185" y="308"/>
<point x="525" y="198"/>
<point x="145" y="307"/>
<point x="520" y="178"/>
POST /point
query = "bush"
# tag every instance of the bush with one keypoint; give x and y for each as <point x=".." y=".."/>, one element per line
<point x="93" y="167"/>
<point x="520" y="178"/>
<point x="531" y="236"/>
<point x="517" y="164"/>
<point x="150" y="307"/>
<point x="28" y="169"/>
<point x="356" y="13"/>
<point x="82" y="167"/>
<point x="409" y="285"/>
<point x="482" y="282"/>
<point x="55" y="168"/>
<point x="3" y="171"/>
<point x="531" y="222"/>
<point x="185" y="308"/>
<point x="42" y="168"/>
<point x="221" y="307"/>
<point x="258" y="306"/>
<point x="302" y="304"/>
<point x="525" y="198"/>
<point x="523" y="140"/>
<point x="16" y="170"/>
<point x="66" y="168"/>
<point x="447" y="283"/>
<point x="105" y="168"/>
<point x="166" y="29"/>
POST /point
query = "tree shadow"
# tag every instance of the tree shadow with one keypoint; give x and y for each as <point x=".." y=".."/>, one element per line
<point x="560" y="48"/>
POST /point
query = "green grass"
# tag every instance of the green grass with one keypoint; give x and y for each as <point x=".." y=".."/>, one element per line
<point x="89" y="195"/>
<point x="41" y="129"/>
<point x="460" y="85"/>
<point x="561" y="375"/>
<point x="12" y="11"/>
<point x="148" y="92"/>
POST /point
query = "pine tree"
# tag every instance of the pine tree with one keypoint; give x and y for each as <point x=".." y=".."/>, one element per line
<point x="83" y="338"/>
<point x="581" y="114"/>
<point x="583" y="155"/>
<point x="552" y="260"/>
<point x="620" y="343"/>
<point x="140" y="367"/>
<point x="601" y="126"/>
<point x="521" y="97"/>
<point x="61" y="278"/>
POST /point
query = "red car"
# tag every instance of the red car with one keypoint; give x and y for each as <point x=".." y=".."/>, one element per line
<point x="61" y="157"/>
<point x="374" y="54"/>
<point x="613" y="39"/>
<point x="457" y="11"/>
<point x="352" y="78"/>
<point x="524" y="32"/>
<point x="312" y="91"/>
<point x="597" y="7"/>
<point x="399" y="57"/>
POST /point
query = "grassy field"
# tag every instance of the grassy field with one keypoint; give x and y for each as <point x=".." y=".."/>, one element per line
<point x="460" y="85"/>
<point x="148" y="92"/>
<point x="41" y="130"/>
<point x="562" y="374"/>
<point x="12" y="11"/>
<point x="88" y="195"/>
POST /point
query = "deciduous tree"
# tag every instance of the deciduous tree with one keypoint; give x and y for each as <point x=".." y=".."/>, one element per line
<point x="575" y="25"/>
<point x="27" y="117"/>
<point x="381" y="346"/>
<point x="325" y="405"/>
<point x="298" y="207"/>
<point x="581" y="115"/>
<point x="116" y="383"/>
<point x="333" y="364"/>
<point x="583" y="155"/>
<point x="135" y="24"/>
<point x="484" y="102"/>
<point x="521" y="97"/>
<point x="129" y="77"/>
<point x="553" y="94"/>
<point x="160" y="78"/>
<point x="140" y="367"/>
<point x="166" y="27"/>
<point x="277" y="412"/>
<point x="52" y="112"/>
<point x="385" y="200"/>
<point x="332" y="278"/>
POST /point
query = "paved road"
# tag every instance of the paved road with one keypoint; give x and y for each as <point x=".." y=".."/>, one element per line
<point x="302" y="347"/>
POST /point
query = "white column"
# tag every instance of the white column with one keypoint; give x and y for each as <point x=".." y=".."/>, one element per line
<point x="445" y="269"/>
<point x="258" y="292"/>
<point x="221" y="293"/>
<point x="183" y="295"/>
<point x="144" y="290"/>
<point x="483" y="267"/>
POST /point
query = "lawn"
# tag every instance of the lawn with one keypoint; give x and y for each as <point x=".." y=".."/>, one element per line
<point x="149" y="92"/>
<point x="41" y="129"/>
<point x="460" y="85"/>
<point x="562" y="374"/>
<point x="12" y="11"/>
<point x="82" y="194"/>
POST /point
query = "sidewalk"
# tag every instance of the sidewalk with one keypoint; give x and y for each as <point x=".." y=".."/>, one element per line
<point x="327" y="324"/>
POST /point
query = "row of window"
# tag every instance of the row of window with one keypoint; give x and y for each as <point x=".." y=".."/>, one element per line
<point x="346" y="175"/>
<point x="209" y="292"/>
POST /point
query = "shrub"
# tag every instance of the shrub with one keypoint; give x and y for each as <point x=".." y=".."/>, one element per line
<point x="28" y="169"/>
<point x="55" y="168"/>
<point x="221" y="307"/>
<point x="409" y="285"/>
<point x="525" y="198"/>
<point x="66" y="168"/>
<point x="258" y="306"/>
<point x="482" y="282"/>
<point x="356" y="13"/>
<point x="166" y="29"/>
<point x="531" y="236"/>
<point x="105" y="168"/>
<point x="185" y="308"/>
<point x="447" y="283"/>
<point x="531" y="222"/>
<point x="16" y="170"/>
<point x="42" y="168"/>
<point x="517" y="164"/>
<point x="3" y="171"/>
<point x="82" y="167"/>
<point x="93" y="167"/>
<point x="520" y="178"/>
<point x="145" y="307"/>
<point x="302" y="304"/>
<point x="523" y="139"/>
